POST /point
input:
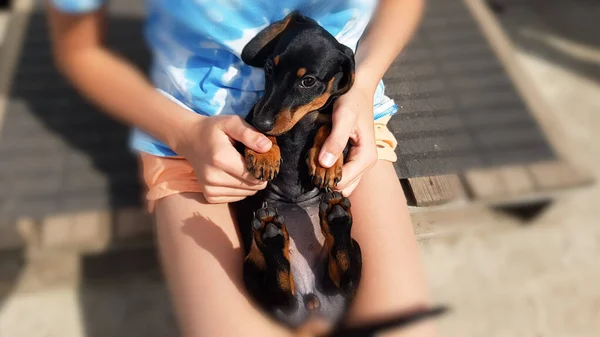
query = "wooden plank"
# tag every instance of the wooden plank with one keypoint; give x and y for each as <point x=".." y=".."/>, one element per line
<point x="554" y="175"/>
<point x="498" y="183"/>
<point x="517" y="180"/>
<point x="510" y="185"/>
<point x="484" y="184"/>
<point x="435" y="190"/>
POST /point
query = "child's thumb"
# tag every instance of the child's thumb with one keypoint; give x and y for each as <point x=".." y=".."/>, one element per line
<point x="336" y="142"/>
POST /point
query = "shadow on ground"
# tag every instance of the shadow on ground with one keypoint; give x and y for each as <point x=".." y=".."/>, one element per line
<point x="560" y="32"/>
<point x="123" y="294"/>
<point x="11" y="264"/>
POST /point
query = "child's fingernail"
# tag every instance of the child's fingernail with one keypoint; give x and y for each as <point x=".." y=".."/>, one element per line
<point x="262" y="142"/>
<point x="327" y="159"/>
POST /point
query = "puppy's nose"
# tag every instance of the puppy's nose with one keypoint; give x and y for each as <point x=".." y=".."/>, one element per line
<point x="264" y="125"/>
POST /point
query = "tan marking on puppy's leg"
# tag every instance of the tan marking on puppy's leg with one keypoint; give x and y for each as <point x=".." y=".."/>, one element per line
<point x="334" y="272"/>
<point x="256" y="257"/>
<point x="343" y="260"/>
<point x="286" y="281"/>
<point x="286" y="254"/>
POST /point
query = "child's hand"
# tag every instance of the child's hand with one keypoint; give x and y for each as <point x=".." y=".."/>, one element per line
<point x="209" y="147"/>
<point x="352" y="120"/>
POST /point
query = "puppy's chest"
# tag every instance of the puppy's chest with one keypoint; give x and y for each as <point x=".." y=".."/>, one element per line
<point x="293" y="181"/>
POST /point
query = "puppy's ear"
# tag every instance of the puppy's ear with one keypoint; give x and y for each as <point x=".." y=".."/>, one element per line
<point x="347" y="71"/>
<point x="255" y="53"/>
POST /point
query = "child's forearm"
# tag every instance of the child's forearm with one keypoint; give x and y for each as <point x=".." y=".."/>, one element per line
<point x="110" y="82"/>
<point x="124" y="93"/>
<point x="391" y="27"/>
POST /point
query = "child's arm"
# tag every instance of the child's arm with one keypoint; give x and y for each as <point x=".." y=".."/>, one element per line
<point x="391" y="27"/>
<point x="122" y="91"/>
<point x="110" y="82"/>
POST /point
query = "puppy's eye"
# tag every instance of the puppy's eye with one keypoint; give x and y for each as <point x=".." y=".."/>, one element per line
<point x="308" y="82"/>
<point x="268" y="68"/>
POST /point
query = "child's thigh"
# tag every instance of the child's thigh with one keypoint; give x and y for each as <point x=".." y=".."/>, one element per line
<point x="392" y="279"/>
<point x="202" y="259"/>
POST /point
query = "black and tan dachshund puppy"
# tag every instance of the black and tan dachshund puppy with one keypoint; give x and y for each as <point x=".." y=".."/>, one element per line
<point x="301" y="264"/>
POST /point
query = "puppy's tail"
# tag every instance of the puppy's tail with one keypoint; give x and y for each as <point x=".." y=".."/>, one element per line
<point x="371" y="329"/>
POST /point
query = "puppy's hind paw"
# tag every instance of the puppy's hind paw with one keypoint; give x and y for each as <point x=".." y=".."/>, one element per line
<point x="334" y="207"/>
<point x="344" y="258"/>
<point x="273" y="240"/>
<point x="269" y="228"/>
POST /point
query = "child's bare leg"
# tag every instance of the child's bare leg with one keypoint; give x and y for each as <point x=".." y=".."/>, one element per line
<point x="202" y="259"/>
<point x="392" y="277"/>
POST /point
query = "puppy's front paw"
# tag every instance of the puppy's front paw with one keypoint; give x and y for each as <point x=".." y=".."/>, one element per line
<point x="263" y="166"/>
<point x="324" y="178"/>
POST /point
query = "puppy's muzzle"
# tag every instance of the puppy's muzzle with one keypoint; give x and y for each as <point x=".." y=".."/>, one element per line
<point x="263" y="124"/>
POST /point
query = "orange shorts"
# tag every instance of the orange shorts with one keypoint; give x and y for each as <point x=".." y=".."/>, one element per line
<point x="164" y="176"/>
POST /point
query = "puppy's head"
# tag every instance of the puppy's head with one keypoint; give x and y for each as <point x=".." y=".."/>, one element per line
<point x="305" y="68"/>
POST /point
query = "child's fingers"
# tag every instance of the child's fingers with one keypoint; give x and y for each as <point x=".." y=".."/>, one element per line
<point x="235" y="182"/>
<point x="340" y="133"/>
<point x="230" y="161"/>
<point x="351" y="172"/>
<point x="359" y="160"/>
<point x="350" y="188"/>
<point x="222" y="200"/>
<point x="223" y="191"/>
<point x="221" y="194"/>
<point x="221" y="178"/>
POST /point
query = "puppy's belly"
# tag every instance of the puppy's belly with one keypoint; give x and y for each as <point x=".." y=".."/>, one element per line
<point x="308" y="258"/>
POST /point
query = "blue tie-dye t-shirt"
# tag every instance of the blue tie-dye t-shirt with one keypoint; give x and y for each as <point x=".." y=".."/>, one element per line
<point x="196" y="47"/>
